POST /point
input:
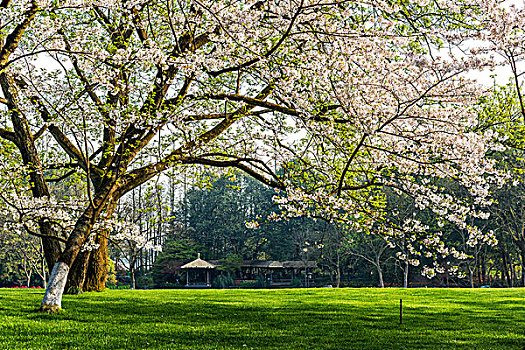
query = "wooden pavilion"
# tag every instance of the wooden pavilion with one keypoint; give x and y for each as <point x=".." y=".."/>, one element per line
<point x="200" y="269"/>
<point x="199" y="273"/>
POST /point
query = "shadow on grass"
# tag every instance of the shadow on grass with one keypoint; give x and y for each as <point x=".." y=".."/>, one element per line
<point x="265" y="320"/>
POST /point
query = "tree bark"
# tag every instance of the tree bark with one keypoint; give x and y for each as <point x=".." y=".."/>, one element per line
<point x="483" y="269"/>
<point x="91" y="273"/>
<point x="505" y="266"/>
<point x="52" y="302"/>
<point x="377" y="264"/>
<point x="132" y="273"/>
<point x="512" y="271"/>
<point x="28" y="274"/>
<point x="405" y="273"/>
<point x="77" y="238"/>
<point x="78" y="271"/>
<point x="522" y="267"/>
<point x="471" y="276"/>
<point x="44" y="277"/>
<point x="97" y="267"/>
<point x="338" y="271"/>
<point x="380" y="274"/>
<point x="52" y="248"/>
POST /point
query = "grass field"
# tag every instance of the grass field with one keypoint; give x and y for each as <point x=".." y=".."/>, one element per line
<point x="268" y="319"/>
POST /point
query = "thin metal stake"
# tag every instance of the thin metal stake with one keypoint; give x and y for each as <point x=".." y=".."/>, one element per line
<point x="400" y="311"/>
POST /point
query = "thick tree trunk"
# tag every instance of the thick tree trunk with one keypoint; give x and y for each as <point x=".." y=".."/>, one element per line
<point x="77" y="238"/>
<point x="52" y="248"/>
<point x="77" y="273"/>
<point x="52" y="302"/>
<point x="97" y="268"/>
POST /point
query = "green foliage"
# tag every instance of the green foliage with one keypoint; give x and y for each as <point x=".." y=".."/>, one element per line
<point x="222" y="281"/>
<point x="175" y="253"/>
<point x="296" y="282"/>
<point x="501" y="113"/>
<point x="20" y="256"/>
<point x="111" y="279"/>
<point x="216" y="217"/>
<point x="248" y="284"/>
<point x="491" y="319"/>
<point x="231" y="264"/>
<point x="261" y="282"/>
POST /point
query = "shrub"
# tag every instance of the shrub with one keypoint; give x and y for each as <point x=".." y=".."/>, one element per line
<point x="248" y="284"/>
<point x="296" y="282"/>
<point x="261" y="282"/>
<point x="222" y="281"/>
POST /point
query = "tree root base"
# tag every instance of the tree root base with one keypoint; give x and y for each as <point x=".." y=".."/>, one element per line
<point x="50" y="309"/>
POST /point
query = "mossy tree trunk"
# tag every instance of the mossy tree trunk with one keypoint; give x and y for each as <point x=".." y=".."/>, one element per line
<point x="78" y="272"/>
<point x="89" y="271"/>
<point x="96" y="270"/>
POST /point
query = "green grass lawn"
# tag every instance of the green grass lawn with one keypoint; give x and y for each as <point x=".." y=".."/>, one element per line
<point x="268" y="319"/>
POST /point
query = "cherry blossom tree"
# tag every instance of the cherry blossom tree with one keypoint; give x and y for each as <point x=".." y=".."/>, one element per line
<point x="346" y="97"/>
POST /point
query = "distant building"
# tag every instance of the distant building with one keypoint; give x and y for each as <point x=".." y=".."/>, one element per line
<point x="199" y="268"/>
<point x="200" y="273"/>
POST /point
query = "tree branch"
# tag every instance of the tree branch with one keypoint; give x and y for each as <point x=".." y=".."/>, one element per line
<point x="350" y="160"/>
<point x="141" y="175"/>
<point x="268" y="53"/>
<point x="8" y="135"/>
<point x="59" y="136"/>
<point x="14" y="38"/>
<point x="211" y="116"/>
<point x="250" y="101"/>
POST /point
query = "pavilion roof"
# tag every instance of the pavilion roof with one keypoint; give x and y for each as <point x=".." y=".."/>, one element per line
<point x="265" y="264"/>
<point x="262" y="263"/>
<point x="299" y="264"/>
<point x="198" y="264"/>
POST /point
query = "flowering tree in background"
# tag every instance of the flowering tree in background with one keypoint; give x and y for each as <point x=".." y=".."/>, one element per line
<point x="346" y="97"/>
